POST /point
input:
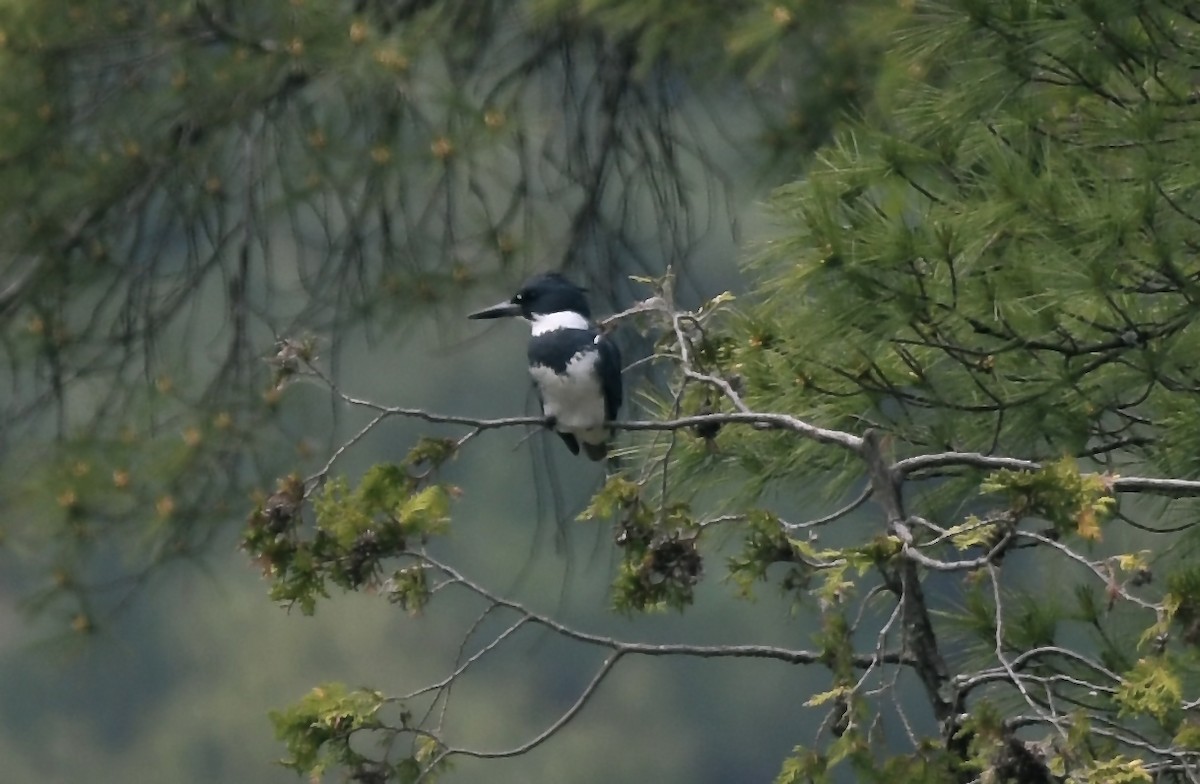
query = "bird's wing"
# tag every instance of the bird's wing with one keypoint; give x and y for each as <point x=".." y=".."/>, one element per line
<point x="610" y="366"/>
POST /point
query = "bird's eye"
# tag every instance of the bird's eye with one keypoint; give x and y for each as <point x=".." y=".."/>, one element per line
<point x="519" y="297"/>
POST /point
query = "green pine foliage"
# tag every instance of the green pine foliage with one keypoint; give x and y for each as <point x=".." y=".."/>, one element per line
<point x="996" y="260"/>
<point x="983" y="290"/>
<point x="973" y="328"/>
<point x="999" y="261"/>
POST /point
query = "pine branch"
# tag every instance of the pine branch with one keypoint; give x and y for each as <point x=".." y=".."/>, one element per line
<point x="1176" y="488"/>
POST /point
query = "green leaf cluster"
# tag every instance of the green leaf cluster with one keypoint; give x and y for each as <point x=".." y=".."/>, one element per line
<point x="763" y="545"/>
<point x="1117" y="770"/>
<point x="1072" y="501"/>
<point x="1183" y="601"/>
<point x="327" y="727"/>
<point x="927" y="765"/>
<point x="1152" y="687"/>
<point x="318" y="730"/>
<point x="972" y="532"/>
<point x="409" y="588"/>
<point x="355" y="530"/>
<point x="661" y="563"/>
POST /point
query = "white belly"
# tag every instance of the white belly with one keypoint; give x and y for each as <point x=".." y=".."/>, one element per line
<point x="574" y="398"/>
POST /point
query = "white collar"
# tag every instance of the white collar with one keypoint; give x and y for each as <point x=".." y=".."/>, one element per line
<point x="563" y="319"/>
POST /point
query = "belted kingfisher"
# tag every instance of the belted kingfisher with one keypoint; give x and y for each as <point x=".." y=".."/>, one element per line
<point x="575" y="366"/>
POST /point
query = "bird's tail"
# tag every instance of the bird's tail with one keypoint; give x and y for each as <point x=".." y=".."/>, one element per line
<point x="596" y="452"/>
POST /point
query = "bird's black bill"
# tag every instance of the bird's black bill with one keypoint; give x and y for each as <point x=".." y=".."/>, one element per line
<point x="501" y="310"/>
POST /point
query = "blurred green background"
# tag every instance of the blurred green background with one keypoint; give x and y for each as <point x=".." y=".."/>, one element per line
<point x="176" y="687"/>
<point x="139" y="132"/>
